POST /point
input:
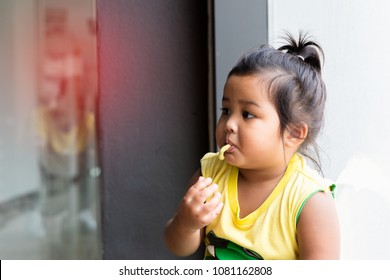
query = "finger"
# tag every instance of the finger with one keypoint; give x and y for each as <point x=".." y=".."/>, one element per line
<point x="201" y="184"/>
<point x="209" y="217"/>
<point x="210" y="205"/>
<point x="202" y="195"/>
<point x="214" y="201"/>
<point x="217" y="210"/>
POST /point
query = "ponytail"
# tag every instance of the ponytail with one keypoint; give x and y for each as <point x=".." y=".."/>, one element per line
<point x="305" y="49"/>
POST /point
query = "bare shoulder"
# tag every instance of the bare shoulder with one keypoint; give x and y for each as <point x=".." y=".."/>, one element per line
<point x="318" y="228"/>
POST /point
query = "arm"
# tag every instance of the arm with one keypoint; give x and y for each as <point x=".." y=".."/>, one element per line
<point x="318" y="229"/>
<point x="184" y="232"/>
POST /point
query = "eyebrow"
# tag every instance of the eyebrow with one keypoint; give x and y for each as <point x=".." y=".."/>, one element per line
<point x="243" y="102"/>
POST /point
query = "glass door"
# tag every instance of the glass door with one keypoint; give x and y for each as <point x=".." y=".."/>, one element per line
<point x="49" y="183"/>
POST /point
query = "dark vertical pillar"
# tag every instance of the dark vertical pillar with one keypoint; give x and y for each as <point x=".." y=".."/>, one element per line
<point x="152" y="117"/>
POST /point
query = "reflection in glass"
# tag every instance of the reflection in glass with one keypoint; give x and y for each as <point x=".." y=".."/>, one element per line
<point x="62" y="207"/>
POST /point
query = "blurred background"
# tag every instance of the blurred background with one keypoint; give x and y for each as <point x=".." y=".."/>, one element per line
<point x="106" y="108"/>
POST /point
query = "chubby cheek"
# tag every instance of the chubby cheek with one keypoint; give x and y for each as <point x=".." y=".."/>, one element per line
<point x="250" y="144"/>
<point x="220" y="134"/>
<point x="262" y="142"/>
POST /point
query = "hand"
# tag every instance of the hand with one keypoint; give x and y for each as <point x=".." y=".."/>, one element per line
<point x="195" y="212"/>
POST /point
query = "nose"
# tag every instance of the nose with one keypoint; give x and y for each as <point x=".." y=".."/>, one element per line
<point x="231" y="125"/>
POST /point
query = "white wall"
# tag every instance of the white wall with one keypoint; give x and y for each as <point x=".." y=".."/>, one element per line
<point x="18" y="163"/>
<point x="354" y="35"/>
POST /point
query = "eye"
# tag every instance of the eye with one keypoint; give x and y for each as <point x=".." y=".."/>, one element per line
<point x="225" y="111"/>
<point x="247" y="115"/>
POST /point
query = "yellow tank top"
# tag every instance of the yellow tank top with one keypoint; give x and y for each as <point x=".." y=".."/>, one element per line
<point x="270" y="232"/>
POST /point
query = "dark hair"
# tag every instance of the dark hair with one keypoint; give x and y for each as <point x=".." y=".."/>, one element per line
<point x="295" y="85"/>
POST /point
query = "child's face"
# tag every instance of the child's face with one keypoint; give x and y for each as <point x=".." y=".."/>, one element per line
<point x="250" y="123"/>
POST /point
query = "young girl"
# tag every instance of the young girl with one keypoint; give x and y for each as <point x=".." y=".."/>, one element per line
<point x="262" y="201"/>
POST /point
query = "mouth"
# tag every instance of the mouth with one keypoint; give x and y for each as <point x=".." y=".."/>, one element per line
<point x="231" y="148"/>
<point x="228" y="142"/>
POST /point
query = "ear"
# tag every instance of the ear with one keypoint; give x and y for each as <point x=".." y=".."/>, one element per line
<point x="295" y="134"/>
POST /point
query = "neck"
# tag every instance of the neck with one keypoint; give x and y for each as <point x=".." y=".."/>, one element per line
<point x="254" y="177"/>
<point x="269" y="176"/>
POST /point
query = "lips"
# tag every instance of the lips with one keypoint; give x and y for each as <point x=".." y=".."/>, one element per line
<point x="232" y="147"/>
